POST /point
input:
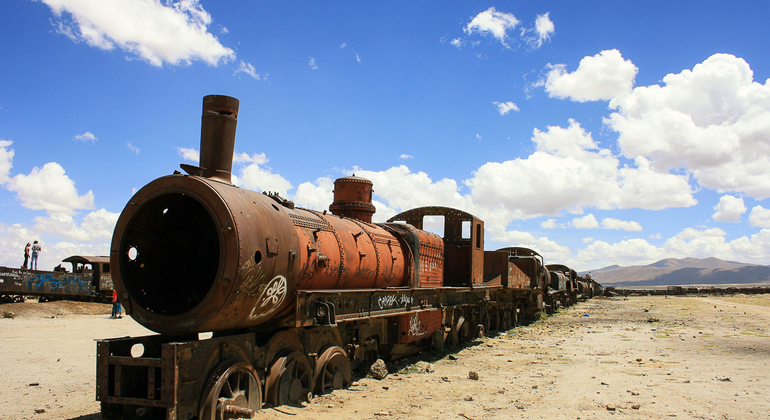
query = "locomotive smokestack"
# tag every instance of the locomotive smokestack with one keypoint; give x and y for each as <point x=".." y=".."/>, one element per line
<point x="218" y="123"/>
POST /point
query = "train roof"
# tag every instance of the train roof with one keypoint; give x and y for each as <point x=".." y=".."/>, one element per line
<point x="520" y="251"/>
<point x="87" y="259"/>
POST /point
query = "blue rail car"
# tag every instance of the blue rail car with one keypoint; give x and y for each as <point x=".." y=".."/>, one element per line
<point x="88" y="279"/>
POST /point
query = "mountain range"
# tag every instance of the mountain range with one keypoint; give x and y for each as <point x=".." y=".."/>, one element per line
<point x="681" y="272"/>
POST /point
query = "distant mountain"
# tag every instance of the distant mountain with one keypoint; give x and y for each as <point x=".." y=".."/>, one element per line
<point x="681" y="272"/>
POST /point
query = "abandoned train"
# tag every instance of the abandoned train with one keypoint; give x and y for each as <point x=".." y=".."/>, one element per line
<point x="89" y="279"/>
<point x="258" y="301"/>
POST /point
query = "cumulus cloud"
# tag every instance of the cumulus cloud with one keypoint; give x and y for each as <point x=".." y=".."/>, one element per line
<point x="188" y="154"/>
<point x="550" y="224"/>
<point x="690" y="242"/>
<point x="729" y="209"/>
<point x="405" y="156"/>
<point x="506" y="107"/>
<point x="174" y="33"/>
<point x="50" y="189"/>
<point x="494" y="23"/>
<point x="544" y="28"/>
<point x="585" y="222"/>
<point x="759" y="217"/>
<point x="627" y="225"/>
<point x="312" y="63"/>
<point x="255" y="176"/>
<point x="96" y="226"/>
<point x="577" y="174"/>
<point x="87" y="136"/>
<point x="603" y="76"/>
<point x="712" y="121"/>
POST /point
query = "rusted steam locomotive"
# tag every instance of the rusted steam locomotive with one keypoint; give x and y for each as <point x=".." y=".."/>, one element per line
<point x="293" y="298"/>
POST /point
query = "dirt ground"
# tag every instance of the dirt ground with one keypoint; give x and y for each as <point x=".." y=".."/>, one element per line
<point x="641" y="358"/>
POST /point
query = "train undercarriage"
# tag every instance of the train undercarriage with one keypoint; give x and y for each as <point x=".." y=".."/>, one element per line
<point x="232" y="374"/>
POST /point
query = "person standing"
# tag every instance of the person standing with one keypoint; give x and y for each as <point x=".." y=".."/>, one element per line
<point x="26" y="256"/>
<point x="117" y="311"/>
<point x="35" y="252"/>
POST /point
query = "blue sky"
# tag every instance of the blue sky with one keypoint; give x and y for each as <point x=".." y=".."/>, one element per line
<point x="596" y="132"/>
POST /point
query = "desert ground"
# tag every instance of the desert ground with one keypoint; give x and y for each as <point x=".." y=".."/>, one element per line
<point x="695" y="357"/>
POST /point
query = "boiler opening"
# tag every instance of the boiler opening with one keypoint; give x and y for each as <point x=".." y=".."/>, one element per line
<point x="169" y="254"/>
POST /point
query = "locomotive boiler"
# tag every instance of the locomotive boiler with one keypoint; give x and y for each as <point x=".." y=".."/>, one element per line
<point x="257" y="301"/>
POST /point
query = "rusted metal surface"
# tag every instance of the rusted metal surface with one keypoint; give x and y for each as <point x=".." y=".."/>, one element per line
<point x="463" y="248"/>
<point x="343" y="253"/>
<point x="497" y="265"/>
<point x="418" y="325"/>
<point x="353" y="198"/>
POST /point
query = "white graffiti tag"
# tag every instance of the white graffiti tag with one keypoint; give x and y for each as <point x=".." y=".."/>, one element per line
<point x="272" y="297"/>
<point x="390" y="301"/>
<point x="415" y="326"/>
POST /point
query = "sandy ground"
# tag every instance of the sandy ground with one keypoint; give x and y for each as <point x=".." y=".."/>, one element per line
<point x="641" y="358"/>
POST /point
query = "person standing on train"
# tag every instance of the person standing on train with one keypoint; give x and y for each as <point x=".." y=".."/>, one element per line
<point x="26" y="256"/>
<point x="35" y="251"/>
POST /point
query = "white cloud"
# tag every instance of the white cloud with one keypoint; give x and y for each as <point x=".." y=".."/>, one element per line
<point x="256" y="158"/>
<point x="49" y="188"/>
<point x="588" y="240"/>
<point x="506" y="107"/>
<point x="248" y="69"/>
<point x="132" y="148"/>
<point x="712" y="121"/>
<point x="542" y="31"/>
<point x="312" y="64"/>
<point x="759" y="217"/>
<point x="549" y="224"/>
<point x="610" y="223"/>
<point x="602" y="77"/>
<point x="315" y="195"/>
<point x="586" y="222"/>
<point x="257" y="178"/>
<point x="96" y="226"/>
<point x="87" y="136"/>
<point x="729" y="209"/>
<point x="188" y="154"/>
<point x="492" y="22"/>
<point x="626" y="252"/>
<point x="457" y="42"/>
<point x="173" y="33"/>
<point x="689" y="242"/>
<point x="6" y="160"/>
<point x="577" y="174"/>
<point x="405" y="156"/>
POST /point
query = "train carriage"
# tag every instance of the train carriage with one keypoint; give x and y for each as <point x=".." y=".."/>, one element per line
<point x="88" y="278"/>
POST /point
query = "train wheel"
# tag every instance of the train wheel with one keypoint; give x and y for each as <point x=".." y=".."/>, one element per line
<point x="232" y="391"/>
<point x="460" y="333"/>
<point x="289" y="380"/>
<point x="332" y="371"/>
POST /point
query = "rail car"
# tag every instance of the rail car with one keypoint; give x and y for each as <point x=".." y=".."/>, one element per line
<point x="88" y="279"/>
<point x="563" y="288"/>
<point x="257" y="301"/>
